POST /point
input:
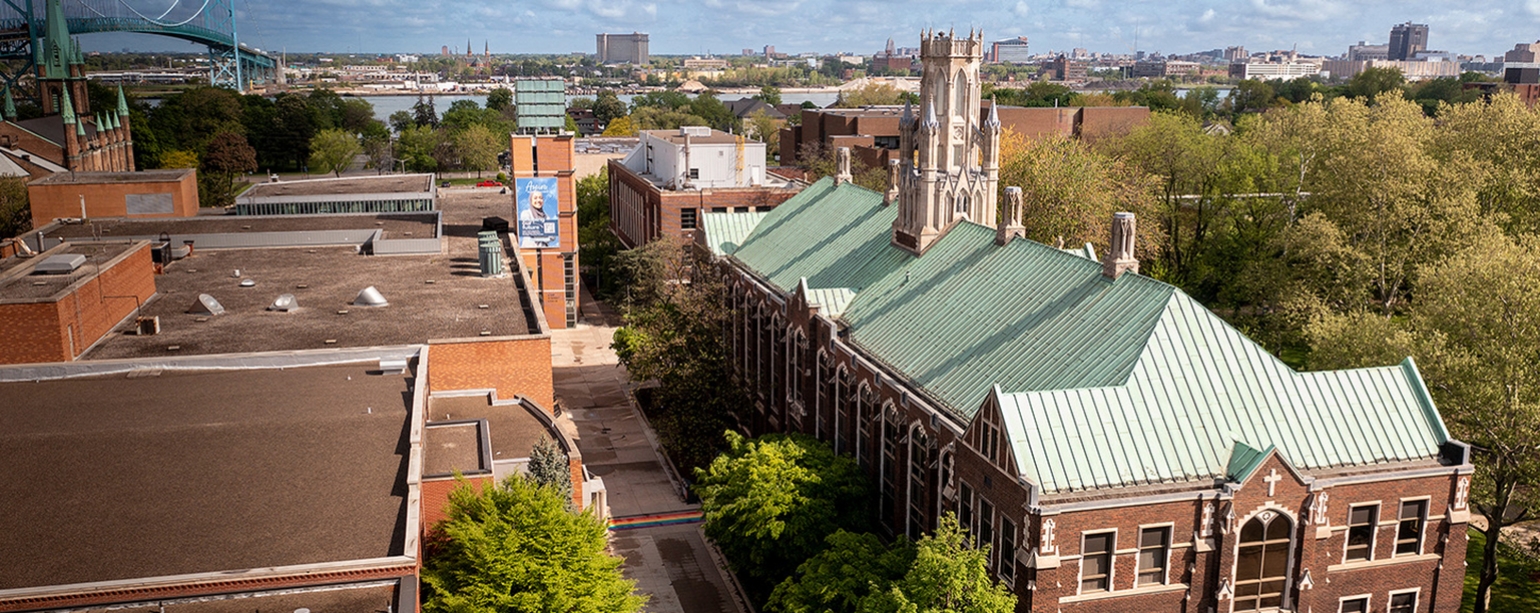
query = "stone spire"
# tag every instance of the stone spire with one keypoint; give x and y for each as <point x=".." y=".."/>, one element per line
<point x="67" y="109"/>
<point x="1010" y="226"/>
<point x="842" y="166"/>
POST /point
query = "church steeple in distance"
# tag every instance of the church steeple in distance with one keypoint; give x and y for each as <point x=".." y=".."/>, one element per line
<point x="949" y="160"/>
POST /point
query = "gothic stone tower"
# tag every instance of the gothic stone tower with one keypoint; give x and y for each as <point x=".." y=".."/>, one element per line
<point x="949" y="160"/>
<point x="60" y="65"/>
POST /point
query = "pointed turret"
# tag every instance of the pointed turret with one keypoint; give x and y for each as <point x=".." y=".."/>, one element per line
<point x="10" y="106"/>
<point x="67" y="110"/>
<point x="930" y="125"/>
<point x="122" y="102"/>
<point x="993" y="121"/>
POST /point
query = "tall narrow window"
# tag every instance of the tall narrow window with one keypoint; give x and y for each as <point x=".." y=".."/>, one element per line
<point x="1261" y="562"/>
<point x="919" y="452"/>
<point x="965" y="506"/>
<point x="1096" y="562"/>
<point x="842" y="398"/>
<point x="1154" y="544"/>
<point x="1405" y="602"/>
<point x="987" y="528"/>
<point x="1360" y="543"/>
<point x="1409" y="528"/>
<point x="889" y="471"/>
<point x="1007" y="552"/>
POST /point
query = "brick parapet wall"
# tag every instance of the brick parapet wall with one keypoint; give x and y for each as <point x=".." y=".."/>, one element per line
<point x="52" y="201"/>
<point x="514" y="366"/>
<point x="62" y="330"/>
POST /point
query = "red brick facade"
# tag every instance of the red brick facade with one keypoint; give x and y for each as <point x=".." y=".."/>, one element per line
<point x="514" y="366"/>
<point x="61" y="328"/>
<point x="553" y="271"/>
<point x="924" y="462"/>
<point x="56" y="197"/>
<point x="641" y="212"/>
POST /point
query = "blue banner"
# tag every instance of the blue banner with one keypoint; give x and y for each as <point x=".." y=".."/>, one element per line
<point x="538" y="213"/>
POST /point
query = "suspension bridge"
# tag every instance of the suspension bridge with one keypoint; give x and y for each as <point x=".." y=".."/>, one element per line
<point x="205" y="22"/>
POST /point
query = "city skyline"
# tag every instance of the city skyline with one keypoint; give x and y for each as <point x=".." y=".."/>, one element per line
<point x="1318" y="27"/>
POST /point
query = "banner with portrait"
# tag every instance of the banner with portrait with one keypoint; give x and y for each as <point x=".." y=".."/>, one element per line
<point x="538" y="213"/>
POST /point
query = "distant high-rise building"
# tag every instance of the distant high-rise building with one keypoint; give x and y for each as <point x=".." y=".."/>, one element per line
<point x="444" y="50"/>
<point x="1407" y="39"/>
<point x="769" y="51"/>
<point x="1523" y="53"/>
<point x="1079" y="53"/>
<point x="1235" y="54"/>
<point x="1362" y="52"/>
<point x="748" y="51"/>
<point x="622" y="48"/>
<point x="1009" y="51"/>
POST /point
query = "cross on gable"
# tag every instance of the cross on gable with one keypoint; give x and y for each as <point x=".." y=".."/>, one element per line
<point x="1272" y="480"/>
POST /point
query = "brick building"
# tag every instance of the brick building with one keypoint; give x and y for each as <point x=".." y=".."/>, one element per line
<point x="554" y="267"/>
<point x="147" y="193"/>
<point x="674" y="177"/>
<point x="1118" y="446"/>
<point x="68" y="135"/>
<point x="872" y="133"/>
<point x="273" y="454"/>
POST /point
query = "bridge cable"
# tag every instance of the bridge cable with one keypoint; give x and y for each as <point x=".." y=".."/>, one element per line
<point x="153" y="20"/>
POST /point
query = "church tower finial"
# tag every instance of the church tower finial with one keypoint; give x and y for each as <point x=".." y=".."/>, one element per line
<point x="949" y="159"/>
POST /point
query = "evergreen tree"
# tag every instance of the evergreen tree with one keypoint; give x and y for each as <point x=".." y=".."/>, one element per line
<point x="548" y="466"/>
<point x="517" y="547"/>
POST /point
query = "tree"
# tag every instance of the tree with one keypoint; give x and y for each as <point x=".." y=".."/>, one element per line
<point x="333" y="151"/>
<point x="478" y="147"/>
<point x="871" y="94"/>
<point x="621" y="126"/>
<point x="518" y="547"/>
<point x="1373" y="82"/>
<point x="948" y="576"/>
<point x="499" y="98"/>
<point x="416" y="146"/>
<point x="228" y="157"/>
<point x="1070" y="193"/>
<point x="400" y="120"/>
<point x="15" y="212"/>
<point x="851" y="568"/>
<point x="764" y="128"/>
<point x="597" y="245"/>
<point x="769" y="94"/>
<point x="1499" y="142"/>
<point x="771" y="502"/>
<point x="180" y="158"/>
<point x="423" y="112"/>
<point x="608" y="107"/>
<point x="1252" y="96"/>
<point x="820" y="161"/>
<point x="1478" y="342"/>
<point x="549" y="466"/>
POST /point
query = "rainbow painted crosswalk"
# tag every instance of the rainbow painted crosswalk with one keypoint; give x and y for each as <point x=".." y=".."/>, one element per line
<point x="660" y="519"/>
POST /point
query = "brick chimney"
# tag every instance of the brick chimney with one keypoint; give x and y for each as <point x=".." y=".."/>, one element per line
<point x="1009" y="225"/>
<point x="1120" y="254"/>
<point x="842" y="165"/>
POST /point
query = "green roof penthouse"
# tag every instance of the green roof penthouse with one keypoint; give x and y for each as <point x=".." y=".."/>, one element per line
<point x="1118" y="446"/>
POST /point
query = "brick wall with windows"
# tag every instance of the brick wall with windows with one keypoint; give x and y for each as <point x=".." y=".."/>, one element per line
<point x="641" y="212"/>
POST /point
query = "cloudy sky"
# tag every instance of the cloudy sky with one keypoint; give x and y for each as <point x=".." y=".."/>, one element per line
<point x="861" y="26"/>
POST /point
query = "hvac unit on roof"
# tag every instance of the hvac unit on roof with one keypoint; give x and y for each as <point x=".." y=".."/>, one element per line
<point x="60" y="264"/>
<point x="370" y="297"/>
<point x="284" y="303"/>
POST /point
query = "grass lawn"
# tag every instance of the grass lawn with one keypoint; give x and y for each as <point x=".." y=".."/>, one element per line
<point x="1516" y="588"/>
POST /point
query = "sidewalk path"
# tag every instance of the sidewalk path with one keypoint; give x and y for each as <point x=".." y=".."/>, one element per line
<point x="669" y="562"/>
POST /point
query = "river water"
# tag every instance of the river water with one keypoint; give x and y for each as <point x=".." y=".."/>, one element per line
<point x="385" y="105"/>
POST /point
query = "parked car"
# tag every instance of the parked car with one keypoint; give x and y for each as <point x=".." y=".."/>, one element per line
<point x="489" y="183"/>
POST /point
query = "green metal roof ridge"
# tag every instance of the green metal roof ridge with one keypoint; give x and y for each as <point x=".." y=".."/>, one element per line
<point x="1245" y="460"/>
<point x="1430" y="411"/>
<point x="726" y="231"/>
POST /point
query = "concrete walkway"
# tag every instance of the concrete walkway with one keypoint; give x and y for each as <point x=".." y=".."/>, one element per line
<point x="671" y="564"/>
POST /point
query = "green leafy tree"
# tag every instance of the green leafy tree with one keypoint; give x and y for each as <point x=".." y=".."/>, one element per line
<point x="852" y="567"/>
<point x="1498" y="143"/>
<point x="1252" y="96"/>
<point x="400" y="120"/>
<point x="333" y="151"/>
<point x="478" y="146"/>
<point x="771" y="502"/>
<point x="518" y="547"/>
<point x="597" y="245"/>
<point x="416" y="146"/>
<point x="608" y="107"/>
<point x="871" y="94"/>
<point x="15" y="212"/>
<point x="227" y="158"/>
<point x="549" y="466"/>
<point x="424" y="113"/>
<point x="1373" y="82"/>
<point x="769" y="94"/>
<point x="499" y="98"/>
<point x="180" y="158"/>
<point x="948" y="576"/>
<point x="821" y="161"/>
<point x="622" y="126"/>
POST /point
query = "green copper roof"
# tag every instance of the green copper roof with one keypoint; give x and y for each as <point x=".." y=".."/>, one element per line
<point x="831" y="301"/>
<point x="58" y="50"/>
<point x="834" y="236"/>
<point x="66" y="107"/>
<point x="122" y="102"/>
<point x="1244" y="460"/>
<point x="10" y="105"/>
<point x="725" y="231"/>
<point x="1102" y="383"/>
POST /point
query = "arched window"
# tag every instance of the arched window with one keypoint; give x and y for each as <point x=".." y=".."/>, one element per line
<point x="1262" y="562"/>
<point x="864" y="413"/>
<point x="921" y="450"/>
<point x="961" y="83"/>
<point x="842" y="410"/>
<point x="890" y="472"/>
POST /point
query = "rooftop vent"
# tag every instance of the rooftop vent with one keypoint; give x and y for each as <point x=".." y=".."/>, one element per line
<point x="370" y="297"/>
<point x="248" y="283"/>
<point x="207" y="305"/>
<point x="694" y="131"/>
<point x="60" y="264"/>
<point x="284" y="303"/>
